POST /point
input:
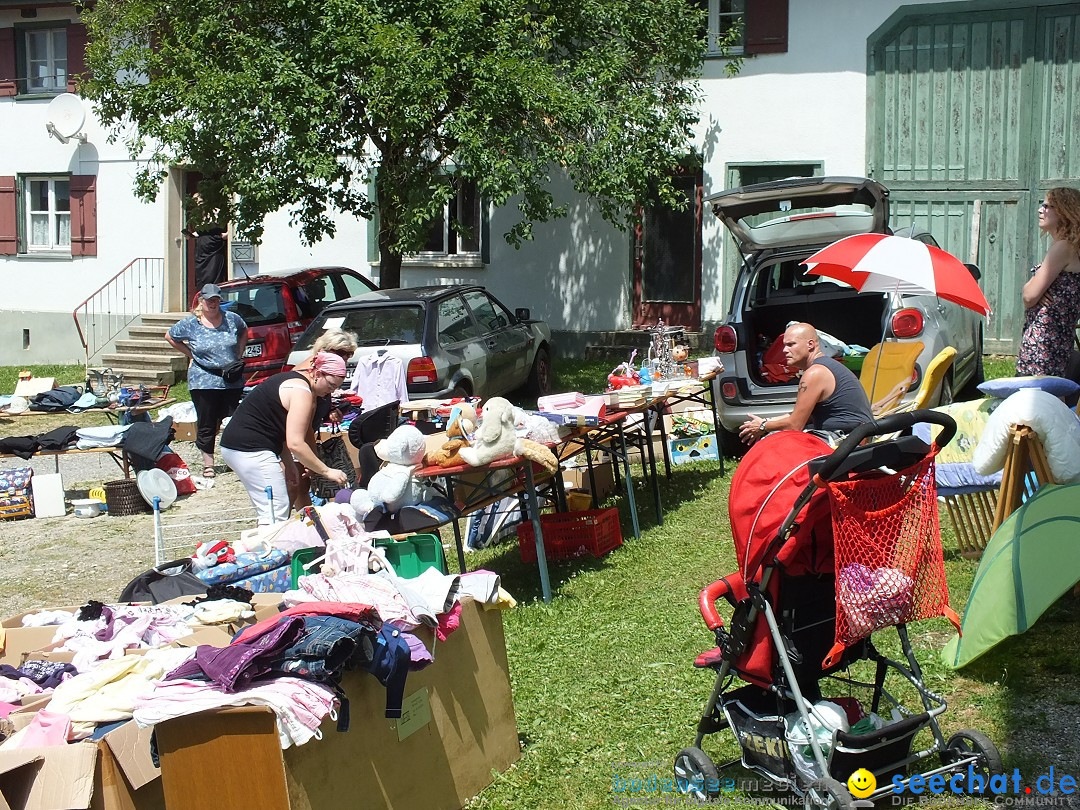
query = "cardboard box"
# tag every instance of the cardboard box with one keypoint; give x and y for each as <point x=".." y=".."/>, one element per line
<point x="577" y="478"/>
<point x="693" y="448"/>
<point x="113" y="773"/>
<point x="432" y="762"/>
<point x="20" y="640"/>
<point x="185" y="431"/>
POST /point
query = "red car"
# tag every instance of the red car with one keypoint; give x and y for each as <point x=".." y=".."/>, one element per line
<point x="278" y="305"/>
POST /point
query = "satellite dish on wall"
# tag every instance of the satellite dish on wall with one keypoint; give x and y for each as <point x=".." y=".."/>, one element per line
<point x="65" y="117"/>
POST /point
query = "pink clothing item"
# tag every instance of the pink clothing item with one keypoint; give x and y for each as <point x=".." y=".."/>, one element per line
<point x="120" y="628"/>
<point x="354" y="612"/>
<point x="47" y="728"/>
<point x="300" y="706"/>
<point x="379" y="379"/>
<point x="448" y="622"/>
<point x="348" y="586"/>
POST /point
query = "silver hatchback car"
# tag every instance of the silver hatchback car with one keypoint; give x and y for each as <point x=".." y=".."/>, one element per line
<point x="773" y="289"/>
<point x="453" y="340"/>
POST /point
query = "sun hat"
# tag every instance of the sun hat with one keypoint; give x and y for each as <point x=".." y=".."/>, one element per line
<point x="18" y="405"/>
<point x="210" y="291"/>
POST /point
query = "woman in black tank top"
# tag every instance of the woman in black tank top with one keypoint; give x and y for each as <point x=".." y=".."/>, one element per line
<point x="270" y="428"/>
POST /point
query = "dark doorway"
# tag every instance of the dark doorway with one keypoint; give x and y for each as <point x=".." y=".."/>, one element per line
<point x="667" y="259"/>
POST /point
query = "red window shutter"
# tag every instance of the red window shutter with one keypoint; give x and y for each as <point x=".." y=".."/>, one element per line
<point x="83" y="215"/>
<point x="766" y="28"/>
<point x="9" y="229"/>
<point x="76" y="54"/>
<point x="7" y="62"/>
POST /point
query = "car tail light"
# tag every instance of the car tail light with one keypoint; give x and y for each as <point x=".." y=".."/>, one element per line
<point x="728" y="390"/>
<point x="421" y="370"/>
<point x="724" y="340"/>
<point x="296" y="328"/>
<point x="907" y="323"/>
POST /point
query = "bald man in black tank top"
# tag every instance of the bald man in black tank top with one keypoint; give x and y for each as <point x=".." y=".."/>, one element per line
<point x="830" y="397"/>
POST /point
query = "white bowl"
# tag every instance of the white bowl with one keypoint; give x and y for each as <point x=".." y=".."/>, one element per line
<point x="87" y="507"/>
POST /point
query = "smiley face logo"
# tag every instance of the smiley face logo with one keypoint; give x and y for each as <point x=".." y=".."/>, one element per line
<point x="862" y="783"/>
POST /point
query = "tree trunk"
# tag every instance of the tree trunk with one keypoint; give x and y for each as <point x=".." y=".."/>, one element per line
<point x="389" y="264"/>
<point x="389" y="257"/>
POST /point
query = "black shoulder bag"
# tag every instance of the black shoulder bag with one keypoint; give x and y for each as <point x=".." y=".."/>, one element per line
<point x="334" y="454"/>
<point x="230" y="373"/>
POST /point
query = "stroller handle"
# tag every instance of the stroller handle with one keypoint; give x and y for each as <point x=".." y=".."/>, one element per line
<point x="707" y="602"/>
<point x="889" y="424"/>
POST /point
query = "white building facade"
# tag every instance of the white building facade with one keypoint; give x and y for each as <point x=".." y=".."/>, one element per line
<point x="840" y="87"/>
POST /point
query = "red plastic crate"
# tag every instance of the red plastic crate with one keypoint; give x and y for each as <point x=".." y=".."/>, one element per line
<point x="572" y="534"/>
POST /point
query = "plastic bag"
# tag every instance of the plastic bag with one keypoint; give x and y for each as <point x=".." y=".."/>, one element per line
<point x="178" y="471"/>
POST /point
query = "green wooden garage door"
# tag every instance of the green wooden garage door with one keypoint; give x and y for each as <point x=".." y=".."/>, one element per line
<point x="972" y="115"/>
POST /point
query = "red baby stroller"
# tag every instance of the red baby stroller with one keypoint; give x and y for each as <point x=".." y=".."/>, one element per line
<point x="832" y="546"/>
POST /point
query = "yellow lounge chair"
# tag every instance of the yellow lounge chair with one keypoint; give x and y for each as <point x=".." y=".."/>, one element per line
<point x="887" y="373"/>
<point x="931" y="382"/>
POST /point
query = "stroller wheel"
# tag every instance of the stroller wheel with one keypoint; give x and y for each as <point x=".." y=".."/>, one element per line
<point x="827" y="793"/>
<point x="696" y="775"/>
<point x="966" y="742"/>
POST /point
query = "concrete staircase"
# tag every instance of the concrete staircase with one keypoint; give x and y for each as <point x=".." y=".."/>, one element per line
<point x="145" y="356"/>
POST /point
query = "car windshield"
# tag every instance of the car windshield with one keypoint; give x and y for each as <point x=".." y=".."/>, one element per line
<point x="373" y="326"/>
<point x="258" y="305"/>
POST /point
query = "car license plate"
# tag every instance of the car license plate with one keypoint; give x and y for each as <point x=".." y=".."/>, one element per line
<point x="253" y="350"/>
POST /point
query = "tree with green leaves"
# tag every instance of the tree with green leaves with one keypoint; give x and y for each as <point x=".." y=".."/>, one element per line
<point x="308" y="104"/>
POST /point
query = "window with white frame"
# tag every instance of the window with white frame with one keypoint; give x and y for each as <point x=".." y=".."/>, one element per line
<point x="47" y="205"/>
<point x="45" y="61"/>
<point x="724" y="26"/>
<point x="459" y="231"/>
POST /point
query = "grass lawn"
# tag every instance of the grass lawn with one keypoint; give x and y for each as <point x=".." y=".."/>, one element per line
<point x="603" y="675"/>
<point x="67" y="375"/>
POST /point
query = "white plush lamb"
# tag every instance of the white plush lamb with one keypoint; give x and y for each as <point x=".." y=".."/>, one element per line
<point x="495" y="437"/>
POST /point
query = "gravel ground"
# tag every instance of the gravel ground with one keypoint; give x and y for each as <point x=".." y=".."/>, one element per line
<point x="47" y="562"/>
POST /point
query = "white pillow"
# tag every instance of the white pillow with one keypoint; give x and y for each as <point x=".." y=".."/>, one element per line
<point x="1056" y="424"/>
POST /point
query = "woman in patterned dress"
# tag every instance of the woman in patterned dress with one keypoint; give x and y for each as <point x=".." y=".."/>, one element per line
<point x="1052" y="294"/>
<point x="215" y="338"/>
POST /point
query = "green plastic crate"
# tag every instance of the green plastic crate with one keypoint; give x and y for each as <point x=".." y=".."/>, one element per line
<point x="410" y="557"/>
<point x="299" y="559"/>
<point x="414" y="554"/>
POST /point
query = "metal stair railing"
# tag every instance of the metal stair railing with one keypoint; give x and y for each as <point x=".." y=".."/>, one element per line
<point x="137" y="289"/>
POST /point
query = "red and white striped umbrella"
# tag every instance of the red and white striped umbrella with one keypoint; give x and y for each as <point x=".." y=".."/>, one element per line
<point x="874" y="262"/>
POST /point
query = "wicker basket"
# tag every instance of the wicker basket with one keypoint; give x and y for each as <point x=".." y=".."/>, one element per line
<point x="123" y="498"/>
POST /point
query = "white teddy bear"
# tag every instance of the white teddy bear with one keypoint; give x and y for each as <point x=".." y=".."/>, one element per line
<point x="394" y="486"/>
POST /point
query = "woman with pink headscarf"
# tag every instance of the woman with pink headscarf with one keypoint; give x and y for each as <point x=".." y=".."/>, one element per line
<point x="270" y="428"/>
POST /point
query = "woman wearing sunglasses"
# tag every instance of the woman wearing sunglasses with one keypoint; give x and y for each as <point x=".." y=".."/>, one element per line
<point x="274" y="420"/>
<point x="1052" y="294"/>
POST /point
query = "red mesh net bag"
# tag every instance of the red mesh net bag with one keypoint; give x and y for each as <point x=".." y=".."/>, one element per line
<point x="887" y="545"/>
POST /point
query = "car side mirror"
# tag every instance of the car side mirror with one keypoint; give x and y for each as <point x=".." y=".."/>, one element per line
<point x="523" y="314"/>
<point x="974" y="270"/>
